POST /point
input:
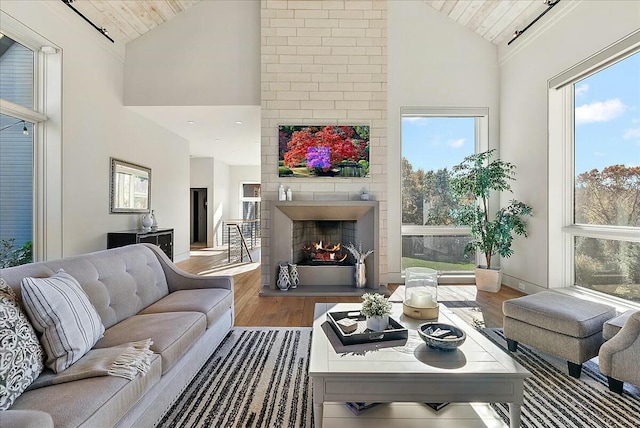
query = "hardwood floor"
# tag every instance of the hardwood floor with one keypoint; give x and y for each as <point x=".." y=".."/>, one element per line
<point x="475" y="307"/>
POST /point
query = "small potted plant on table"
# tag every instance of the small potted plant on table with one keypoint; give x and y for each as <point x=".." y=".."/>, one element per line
<point x="377" y="309"/>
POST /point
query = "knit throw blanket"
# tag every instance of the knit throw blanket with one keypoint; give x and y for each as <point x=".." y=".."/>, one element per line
<point x="127" y="361"/>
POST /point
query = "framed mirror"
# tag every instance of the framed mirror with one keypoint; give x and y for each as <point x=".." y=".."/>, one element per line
<point x="130" y="187"/>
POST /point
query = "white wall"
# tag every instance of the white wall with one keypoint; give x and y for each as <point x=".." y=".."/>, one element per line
<point x="237" y="176"/>
<point x="207" y="55"/>
<point x="96" y="126"/>
<point x="433" y="62"/>
<point x="572" y="32"/>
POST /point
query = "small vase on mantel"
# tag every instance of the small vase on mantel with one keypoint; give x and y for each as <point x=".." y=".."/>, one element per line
<point x="378" y="323"/>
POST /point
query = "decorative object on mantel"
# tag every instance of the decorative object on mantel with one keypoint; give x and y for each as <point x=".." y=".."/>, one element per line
<point x="284" y="280"/>
<point x="360" y="256"/>
<point x="364" y="196"/>
<point x="282" y="195"/>
<point x="377" y="309"/>
<point x="294" y="276"/>
<point x="474" y="179"/>
<point x="289" y="194"/>
<point x="147" y="222"/>
<point x="421" y="293"/>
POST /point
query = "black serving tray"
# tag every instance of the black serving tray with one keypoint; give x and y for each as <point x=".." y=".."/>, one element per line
<point x="395" y="331"/>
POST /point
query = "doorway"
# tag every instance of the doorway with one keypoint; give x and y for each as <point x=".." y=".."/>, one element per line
<point x="198" y="217"/>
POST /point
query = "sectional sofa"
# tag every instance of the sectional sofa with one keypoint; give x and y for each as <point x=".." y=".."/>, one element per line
<point x="139" y="294"/>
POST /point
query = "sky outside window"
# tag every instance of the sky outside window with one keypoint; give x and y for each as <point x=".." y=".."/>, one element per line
<point x="433" y="143"/>
<point x="607" y="117"/>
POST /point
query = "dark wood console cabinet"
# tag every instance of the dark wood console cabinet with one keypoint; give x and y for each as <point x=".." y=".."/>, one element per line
<point x="163" y="238"/>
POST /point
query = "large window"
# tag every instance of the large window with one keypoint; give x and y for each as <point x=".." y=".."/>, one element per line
<point x="16" y="153"/>
<point x="607" y="177"/>
<point x="594" y="126"/>
<point x="30" y="151"/>
<point x="433" y="141"/>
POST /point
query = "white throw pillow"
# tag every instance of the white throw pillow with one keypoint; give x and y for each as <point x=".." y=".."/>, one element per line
<point x="59" y="308"/>
<point x="20" y="352"/>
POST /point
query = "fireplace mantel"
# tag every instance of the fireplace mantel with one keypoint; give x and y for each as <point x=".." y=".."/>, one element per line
<point x="364" y="213"/>
<point x="325" y="210"/>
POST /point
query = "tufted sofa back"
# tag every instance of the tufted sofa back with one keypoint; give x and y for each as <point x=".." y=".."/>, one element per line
<point x="119" y="282"/>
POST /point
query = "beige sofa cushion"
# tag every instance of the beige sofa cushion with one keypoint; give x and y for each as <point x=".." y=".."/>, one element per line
<point x="25" y="419"/>
<point x="96" y="402"/>
<point x="172" y="333"/>
<point x="211" y="302"/>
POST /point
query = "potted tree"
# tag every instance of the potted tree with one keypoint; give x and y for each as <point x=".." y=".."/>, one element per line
<point x="472" y="182"/>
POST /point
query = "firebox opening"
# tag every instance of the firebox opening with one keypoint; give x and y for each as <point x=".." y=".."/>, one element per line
<point x="321" y="243"/>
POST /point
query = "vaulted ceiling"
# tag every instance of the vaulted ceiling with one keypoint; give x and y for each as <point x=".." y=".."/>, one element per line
<point x="494" y="20"/>
<point x="126" y="20"/>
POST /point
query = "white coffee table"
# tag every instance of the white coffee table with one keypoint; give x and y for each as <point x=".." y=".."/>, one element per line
<point x="409" y="371"/>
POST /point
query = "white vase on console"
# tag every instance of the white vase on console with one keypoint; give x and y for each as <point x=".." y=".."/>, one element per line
<point x="147" y="222"/>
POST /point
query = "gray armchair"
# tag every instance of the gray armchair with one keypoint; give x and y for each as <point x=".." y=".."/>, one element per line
<point x="619" y="357"/>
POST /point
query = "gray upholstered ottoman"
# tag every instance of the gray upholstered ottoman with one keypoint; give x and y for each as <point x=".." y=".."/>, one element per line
<point x="562" y="325"/>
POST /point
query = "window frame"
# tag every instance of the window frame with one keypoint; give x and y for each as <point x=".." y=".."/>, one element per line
<point x="481" y="114"/>
<point x="561" y="149"/>
<point x="47" y="136"/>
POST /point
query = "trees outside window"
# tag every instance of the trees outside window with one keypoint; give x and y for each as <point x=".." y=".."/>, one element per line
<point x="433" y="141"/>
<point x="606" y="180"/>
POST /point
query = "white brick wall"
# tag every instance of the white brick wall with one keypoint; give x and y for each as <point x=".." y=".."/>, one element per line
<point x="324" y="62"/>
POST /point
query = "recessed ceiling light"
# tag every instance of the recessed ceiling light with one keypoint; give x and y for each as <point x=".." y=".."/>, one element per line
<point x="238" y="122"/>
<point x="190" y="122"/>
<point x="216" y="140"/>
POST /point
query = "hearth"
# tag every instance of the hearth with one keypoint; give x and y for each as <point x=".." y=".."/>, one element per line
<point x="313" y="234"/>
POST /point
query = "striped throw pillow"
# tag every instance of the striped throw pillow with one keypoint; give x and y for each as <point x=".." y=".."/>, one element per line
<point x="60" y="309"/>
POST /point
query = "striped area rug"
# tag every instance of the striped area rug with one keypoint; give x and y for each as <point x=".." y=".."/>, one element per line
<point x="256" y="378"/>
<point x="552" y="398"/>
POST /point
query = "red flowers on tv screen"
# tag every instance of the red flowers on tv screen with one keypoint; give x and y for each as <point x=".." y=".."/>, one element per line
<point x="323" y="151"/>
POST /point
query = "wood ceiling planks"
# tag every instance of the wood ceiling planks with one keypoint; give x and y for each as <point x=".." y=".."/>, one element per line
<point x="494" y="20"/>
<point x="128" y="19"/>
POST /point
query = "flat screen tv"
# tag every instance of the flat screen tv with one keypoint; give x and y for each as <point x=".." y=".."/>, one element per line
<point x="323" y="151"/>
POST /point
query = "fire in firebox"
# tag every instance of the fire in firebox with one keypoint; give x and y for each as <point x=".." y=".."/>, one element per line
<point x="318" y="253"/>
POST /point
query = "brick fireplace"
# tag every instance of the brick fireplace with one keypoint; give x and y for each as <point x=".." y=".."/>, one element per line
<point x="298" y="225"/>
